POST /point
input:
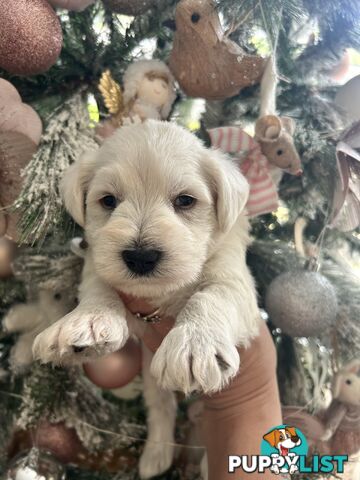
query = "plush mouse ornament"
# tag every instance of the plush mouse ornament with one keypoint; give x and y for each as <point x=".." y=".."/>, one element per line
<point x="264" y="158"/>
<point x="275" y="136"/>
<point x="29" y="319"/>
<point x="336" y="430"/>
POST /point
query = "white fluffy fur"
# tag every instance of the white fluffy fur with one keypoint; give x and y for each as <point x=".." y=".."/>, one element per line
<point x="202" y="280"/>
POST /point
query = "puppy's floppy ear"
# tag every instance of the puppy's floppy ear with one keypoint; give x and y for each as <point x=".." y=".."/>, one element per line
<point x="271" y="437"/>
<point x="74" y="183"/>
<point x="230" y="187"/>
<point x="291" y="430"/>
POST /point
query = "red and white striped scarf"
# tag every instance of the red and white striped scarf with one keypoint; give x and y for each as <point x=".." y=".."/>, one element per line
<point x="263" y="196"/>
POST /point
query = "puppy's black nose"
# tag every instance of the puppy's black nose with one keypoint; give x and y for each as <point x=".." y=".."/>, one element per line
<point x="141" y="260"/>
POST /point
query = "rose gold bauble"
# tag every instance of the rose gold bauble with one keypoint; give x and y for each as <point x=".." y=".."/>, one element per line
<point x="31" y="36"/>
<point x="20" y="133"/>
<point x="7" y="254"/>
<point x="75" y="5"/>
<point x="8" y="94"/>
<point x="3" y="222"/>
<point x="117" y="369"/>
<point x="16" y="151"/>
<point x="64" y="443"/>
<point x="129" y="7"/>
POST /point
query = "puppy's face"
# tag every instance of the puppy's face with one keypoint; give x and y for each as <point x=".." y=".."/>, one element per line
<point x="155" y="202"/>
<point x="284" y="439"/>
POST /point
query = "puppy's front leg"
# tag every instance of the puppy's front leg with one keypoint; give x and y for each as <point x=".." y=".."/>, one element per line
<point x="96" y="327"/>
<point x="158" y="453"/>
<point x="200" y="352"/>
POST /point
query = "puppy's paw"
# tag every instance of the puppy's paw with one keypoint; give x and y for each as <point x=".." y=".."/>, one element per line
<point x="80" y="335"/>
<point x="155" y="459"/>
<point x="190" y="358"/>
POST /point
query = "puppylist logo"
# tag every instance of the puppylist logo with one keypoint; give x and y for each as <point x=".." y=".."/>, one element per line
<point x="284" y="449"/>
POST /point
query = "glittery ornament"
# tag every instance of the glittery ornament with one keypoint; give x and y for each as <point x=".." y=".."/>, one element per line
<point x="31" y="36"/>
<point x="16" y="151"/>
<point x="3" y="221"/>
<point x="75" y="5"/>
<point x="205" y="62"/>
<point x="302" y="303"/>
<point x="7" y="255"/>
<point x="20" y="132"/>
<point x="117" y="369"/>
<point x="129" y="7"/>
<point x="35" y="465"/>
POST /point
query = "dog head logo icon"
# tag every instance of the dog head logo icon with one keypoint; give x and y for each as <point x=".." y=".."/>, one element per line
<point x="283" y="439"/>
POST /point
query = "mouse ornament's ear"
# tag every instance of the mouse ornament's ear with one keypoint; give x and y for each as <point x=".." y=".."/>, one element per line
<point x="74" y="184"/>
<point x="268" y="128"/>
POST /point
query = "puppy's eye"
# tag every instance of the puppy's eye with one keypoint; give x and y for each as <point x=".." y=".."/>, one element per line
<point x="184" y="202"/>
<point x="108" y="202"/>
<point x="57" y="296"/>
<point x="348" y="382"/>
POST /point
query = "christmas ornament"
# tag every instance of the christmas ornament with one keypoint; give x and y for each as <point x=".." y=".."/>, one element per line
<point x="7" y="255"/>
<point x="301" y="303"/>
<point x="262" y="159"/>
<point x="348" y="99"/>
<point x="17" y="116"/>
<point x="35" y="464"/>
<point x="149" y="92"/>
<point x="55" y="438"/>
<point x="335" y="430"/>
<point x="275" y="136"/>
<point x="76" y="5"/>
<point x="341" y="70"/>
<point x="263" y="197"/>
<point x="3" y="221"/>
<point x="67" y="135"/>
<point x="205" y="62"/>
<point x="274" y="133"/>
<point x="117" y="369"/>
<point x="31" y="36"/>
<point x="20" y="132"/>
<point x="345" y="214"/>
<point x="29" y="319"/>
<point x="129" y="7"/>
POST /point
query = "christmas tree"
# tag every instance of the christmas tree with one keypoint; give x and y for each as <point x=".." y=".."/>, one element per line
<point x="258" y="66"/>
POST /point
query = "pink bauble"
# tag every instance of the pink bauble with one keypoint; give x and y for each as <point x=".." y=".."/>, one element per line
<point x="117" y="369"/>
<point x="8" y="93"/>
<point x="31" y="36"/>
<point x="21" y="118"/>
<point x="76" y="5"/>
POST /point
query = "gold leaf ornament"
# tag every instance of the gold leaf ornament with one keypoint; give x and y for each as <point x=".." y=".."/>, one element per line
<point x="111" y="93"/>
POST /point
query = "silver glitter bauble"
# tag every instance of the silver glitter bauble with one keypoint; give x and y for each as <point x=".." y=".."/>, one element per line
<point x="35" y="465"/>
<point x="301" y="303"/>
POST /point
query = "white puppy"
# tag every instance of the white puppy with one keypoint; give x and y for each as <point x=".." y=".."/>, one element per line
<point x="162" y="217"/>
